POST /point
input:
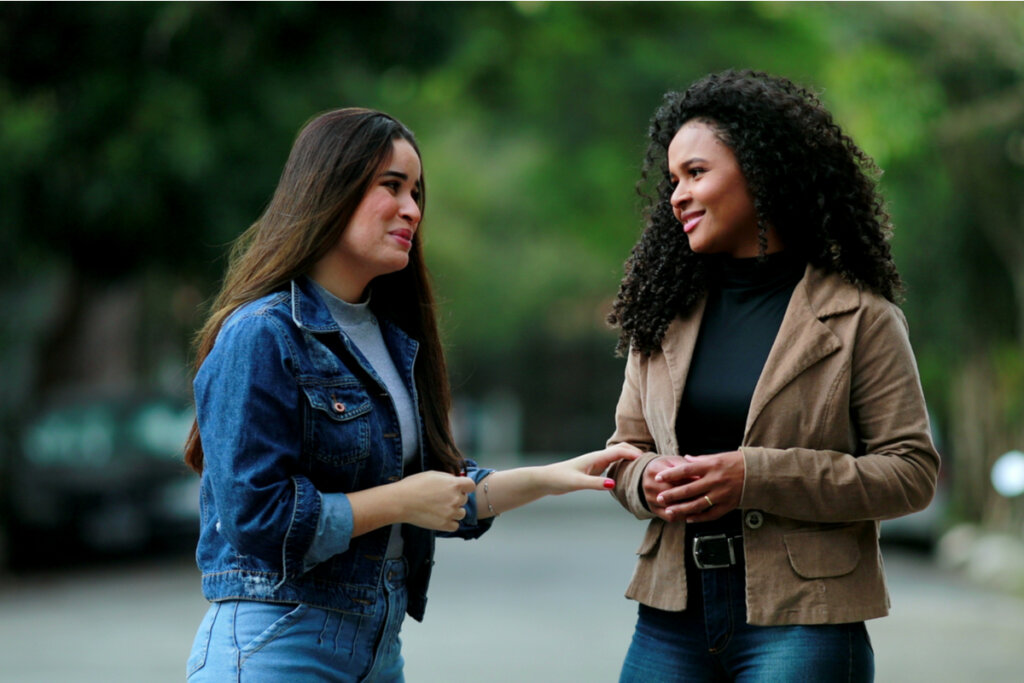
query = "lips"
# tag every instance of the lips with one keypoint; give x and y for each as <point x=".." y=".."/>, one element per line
<point x="403" y="235"/>
<point x="690" y="219"/>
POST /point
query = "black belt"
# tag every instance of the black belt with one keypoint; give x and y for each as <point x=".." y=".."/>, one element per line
<point x="717" y="551"/>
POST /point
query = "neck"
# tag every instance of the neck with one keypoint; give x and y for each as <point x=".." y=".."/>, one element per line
<point x="344" y="285"/>
<point x="778" y="266"/>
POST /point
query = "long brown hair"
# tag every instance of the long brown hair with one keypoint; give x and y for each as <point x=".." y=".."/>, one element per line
<point x="332" y="164"/>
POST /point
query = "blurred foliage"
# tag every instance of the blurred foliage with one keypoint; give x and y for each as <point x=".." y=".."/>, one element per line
<point x="139" y="139"/>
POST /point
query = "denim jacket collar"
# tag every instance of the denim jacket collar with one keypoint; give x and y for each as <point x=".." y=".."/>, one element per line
<point x="308" y="311"/>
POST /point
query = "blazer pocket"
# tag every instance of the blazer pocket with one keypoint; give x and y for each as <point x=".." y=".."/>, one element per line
<point x="824" y="553"/>
<point x="338" y="424"/>
<point x="652" y="537"/>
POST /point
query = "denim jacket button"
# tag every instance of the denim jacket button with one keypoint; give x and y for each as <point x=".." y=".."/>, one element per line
<point x="339" y="407"/>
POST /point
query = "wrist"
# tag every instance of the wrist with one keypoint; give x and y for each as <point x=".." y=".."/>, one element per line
<point x="533" y="481"/>
<point x="544" y="480"/>
<point x="396" y="502"/>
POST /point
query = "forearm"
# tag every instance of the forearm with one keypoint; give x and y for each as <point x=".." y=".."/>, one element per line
<point x="829" y="486"/>
<point x="509" y="489"/>
<point x="631" y="428"/>
<point x="374" y="508"/>
<point x="502" y="491"/>
<point x="628" y="484"/>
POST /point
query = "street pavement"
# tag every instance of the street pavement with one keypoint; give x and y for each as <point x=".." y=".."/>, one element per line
<point x="537" y="599"/>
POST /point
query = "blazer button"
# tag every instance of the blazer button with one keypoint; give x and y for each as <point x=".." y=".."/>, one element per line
<point x="753" y="519"/>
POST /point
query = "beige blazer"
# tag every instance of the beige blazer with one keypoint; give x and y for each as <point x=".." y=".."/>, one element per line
<point x="837" y="438"/>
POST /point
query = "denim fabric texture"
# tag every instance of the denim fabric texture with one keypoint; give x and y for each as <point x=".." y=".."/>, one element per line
<point x="711" y="642"/>
<point x="261" y="642"/>
<point x="290" y="410"/>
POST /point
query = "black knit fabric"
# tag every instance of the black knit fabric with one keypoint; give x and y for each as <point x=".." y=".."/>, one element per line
<point x="741" y="321"/>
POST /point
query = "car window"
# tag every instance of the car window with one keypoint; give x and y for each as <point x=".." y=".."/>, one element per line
<point x="81" y="435"/>
<point x="160" y="429"/>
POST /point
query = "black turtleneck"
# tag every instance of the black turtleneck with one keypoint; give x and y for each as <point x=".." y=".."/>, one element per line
<point x="745" y="306"/>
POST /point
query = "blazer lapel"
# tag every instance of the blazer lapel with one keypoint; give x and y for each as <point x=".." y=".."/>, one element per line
<point x="803" y="338"/>
<point x="677" y="346"/>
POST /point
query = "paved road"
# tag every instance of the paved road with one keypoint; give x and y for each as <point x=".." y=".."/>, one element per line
<point x="536" y="600"/>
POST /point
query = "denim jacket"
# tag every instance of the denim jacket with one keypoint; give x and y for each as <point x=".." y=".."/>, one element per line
<point x="290" y="412"/>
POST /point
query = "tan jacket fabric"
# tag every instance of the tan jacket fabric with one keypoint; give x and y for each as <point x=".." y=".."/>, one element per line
<point x="837" y="438"/>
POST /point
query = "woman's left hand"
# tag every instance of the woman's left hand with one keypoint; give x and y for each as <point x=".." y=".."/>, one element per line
<point x="582" y="471"/>
<point x="709" y="486"/>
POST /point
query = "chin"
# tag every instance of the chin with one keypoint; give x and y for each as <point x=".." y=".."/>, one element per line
<point x="698" y="247"/>
<point x="397" y="264"/>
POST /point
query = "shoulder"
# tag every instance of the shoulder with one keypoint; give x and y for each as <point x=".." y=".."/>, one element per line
<point x="875" y="324"/>
<point x="251" y="324"/>
<point x="830" y="294"/>
<point x="272" y="305"/>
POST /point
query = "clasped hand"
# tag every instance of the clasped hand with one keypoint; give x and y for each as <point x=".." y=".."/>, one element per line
<point x="680" y="487"/>
<point x="434" y="500"/>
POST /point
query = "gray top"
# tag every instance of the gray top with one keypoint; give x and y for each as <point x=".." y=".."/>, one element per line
<point x="359" y="323"/>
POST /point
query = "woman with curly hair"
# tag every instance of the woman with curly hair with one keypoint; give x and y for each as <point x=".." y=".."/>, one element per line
<point x="771" y="383"/>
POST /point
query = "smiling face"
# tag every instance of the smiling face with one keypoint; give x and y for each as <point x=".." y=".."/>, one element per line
<point x="711" y="198"/>
<point x="378" y="238"/>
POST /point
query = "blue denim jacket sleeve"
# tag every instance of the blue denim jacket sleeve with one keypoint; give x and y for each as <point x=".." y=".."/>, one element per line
<point x="471" y="526"/>
<point x="250" y="425"/>
<point x="334" y="528"/>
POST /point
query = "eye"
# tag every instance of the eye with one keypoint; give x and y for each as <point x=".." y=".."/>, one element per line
<point x="392" y="185"/>
<point x="696" y="171"/>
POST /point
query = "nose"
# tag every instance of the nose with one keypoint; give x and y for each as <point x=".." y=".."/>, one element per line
<point x="411" y="211"/>
<point x="680" y="196"/>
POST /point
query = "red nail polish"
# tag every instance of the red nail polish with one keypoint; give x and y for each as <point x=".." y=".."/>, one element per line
<point x="609" y="483"/>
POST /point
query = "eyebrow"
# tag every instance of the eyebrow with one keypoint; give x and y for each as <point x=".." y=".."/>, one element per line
<point x="689" y="162"/>
<point x="404" y="177"/>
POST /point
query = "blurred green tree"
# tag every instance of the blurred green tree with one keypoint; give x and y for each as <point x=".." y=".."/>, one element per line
<point x="138" y="140"/>
<point x="951" y="136"/>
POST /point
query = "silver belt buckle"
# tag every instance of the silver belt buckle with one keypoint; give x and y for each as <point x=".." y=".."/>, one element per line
<point x="717" y="552"/>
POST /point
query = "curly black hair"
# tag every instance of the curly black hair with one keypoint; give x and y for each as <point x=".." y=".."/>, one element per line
<point x="806" y="177"/>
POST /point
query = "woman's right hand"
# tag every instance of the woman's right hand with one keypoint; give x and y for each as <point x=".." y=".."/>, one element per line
<point x="433" y="500"/>
<point x="653" y="487"/>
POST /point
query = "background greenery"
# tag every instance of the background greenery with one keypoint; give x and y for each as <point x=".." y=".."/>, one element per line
<point x="137" y="140"/>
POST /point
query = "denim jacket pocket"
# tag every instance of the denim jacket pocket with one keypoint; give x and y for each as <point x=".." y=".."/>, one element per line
<point x="337" y="429"/>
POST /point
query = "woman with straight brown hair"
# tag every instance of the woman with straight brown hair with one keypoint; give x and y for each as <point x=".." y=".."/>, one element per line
<point x="322" y="434"/>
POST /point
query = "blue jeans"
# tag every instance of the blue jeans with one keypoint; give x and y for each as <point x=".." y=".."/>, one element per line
<point x="262" y="642"/>
<point x="711" y="641"/>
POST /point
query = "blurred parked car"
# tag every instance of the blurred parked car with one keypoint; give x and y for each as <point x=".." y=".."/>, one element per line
<point x="101" y="474"/>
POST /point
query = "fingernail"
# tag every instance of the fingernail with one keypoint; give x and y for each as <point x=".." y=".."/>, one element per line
<point x="661" y="500"/>
<point x="657" y="477"/>
<point x="609" y="483"/>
